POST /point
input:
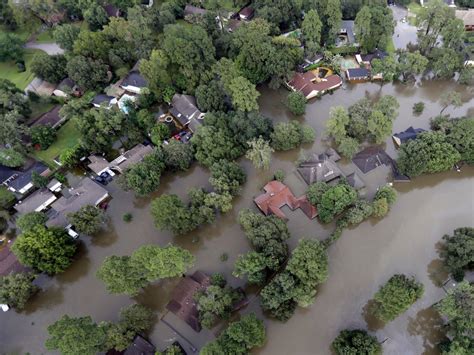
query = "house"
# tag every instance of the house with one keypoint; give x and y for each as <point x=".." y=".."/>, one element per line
<point x="50" y="118"/>
<point x="467" y="17"/>
<point x="36" y="202"/>
<point x="346" y="34"/>
<point x="246" y="13"/>
<point x="184" y="109"/>
<point x="8" y="261"/>
<point x="321" y="168"/>
<point x="366" y="59"/>
<point x="182" y="302"/>
<point x="310" y="60"/>
<point x="67" y="87"/>
<point x="135" y="155"/>
<point x="140" y="346"/>
<point x="87" y="192"/>
<point x="40" y="87"/>
<point x="20" y="181"/>
<point x="102" y="100"/>
<point x="357" y="75"/>
<point x="311" y="85"/>
<point x="370" y="158"/>
<point x="54" y="186"/>
<point x="134" y="82"/>
<point x="409" y="134"/>
<point x="191" y="12"/>
<point x="278" y="195"/>
<point x="111" y="10"/>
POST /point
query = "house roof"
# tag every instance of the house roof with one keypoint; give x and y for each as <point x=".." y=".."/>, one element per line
<point x="101" y="98"/>
<point x="66" y="83"/>
<point x="193" y="10"/>
<point x="348" y="26"/>
<point x="134" y="78"/>
<point x="24" y="176"/>
<point x="37" y="199"/>
<point x="247" y="12"/>
<point x="111" y="10"/>
<point x="319" y="168"/>
<point x="355" y="181"/>
<point x="278" y="195"/>
<point x="233" y="24"/>
<point x="50" y="118"/>
<point x="466" y="16"/>
<point x="357" y="73"/>
<point x="377" y="54"/>
<point x="8" y="262"/>
<point x="408" y="134"/>
<point x="140" y="346"/>
<point x="87" y="192"/>
<point x="308" y="82"/>
<point x="182" y="302"/>
<point x="184" y="108"/>
<point x="371" y="158"/>
<point x="135" y="155"/>
<point x="6" y="173"/>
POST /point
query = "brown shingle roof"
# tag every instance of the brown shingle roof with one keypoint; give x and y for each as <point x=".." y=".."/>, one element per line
<point x="310" y="85"/>
<point x="8" y="262"/>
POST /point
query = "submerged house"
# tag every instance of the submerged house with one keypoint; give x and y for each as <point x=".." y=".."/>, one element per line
<point x="311" y="85"/>
<point x="36" y="202"/>
<point x="409" y="134"/>
<point x="135" y="155"/>
<point x="321" y="168"/>
<point x="371" y="158"/>
<point x="182" y="302"/>
<point x="278" y="195"/>
<point x="184" y="109"/>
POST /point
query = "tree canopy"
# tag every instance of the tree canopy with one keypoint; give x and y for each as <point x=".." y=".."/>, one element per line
<point x="458" y="252"/>
<point x="356" y="341"/>
<point x="17" y="288"/>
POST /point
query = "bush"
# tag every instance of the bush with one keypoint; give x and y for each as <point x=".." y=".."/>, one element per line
<point x="43" y="136"/>
<point x="355" y="342"/>
<point x="380" y="207"/>
<point x="387" y="192"/>
<point x="296" y="103"/>
<point x="418" y="108"/>
<point x="127" y="217"/>
<point x="344" y="50"/>
<point x="279" y="175"/>
<point x="7" y="198"/>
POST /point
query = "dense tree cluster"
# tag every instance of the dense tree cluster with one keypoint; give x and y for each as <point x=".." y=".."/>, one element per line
<point x="396" y="296"/>
<point x="363" y="121"/>
<point x="239" y="338"/>
<point x="28" y="221"/>
<point x="458" y="252"/>
<point x="170" y="213"/>
<point x="16" y="289"/>
<point x="289" y="135"/>
<point x="356" y="341"/>
<point x="129" y="274"/>
<point x="216" y="301"/>
<point x="88" y="219"/>
<point x="296" y="284"/>
<point x="374" y="26"/>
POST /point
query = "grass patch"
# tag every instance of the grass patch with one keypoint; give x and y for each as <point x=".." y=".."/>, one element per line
<point x="40" y="107"/>
<point x="45" y="36"/>
<point x="68" y="136"/>
<point x="414" y="8"/>
<point x="9" y="70"/>
<point x="25" y="31"/>
<point x="390" y="46"/>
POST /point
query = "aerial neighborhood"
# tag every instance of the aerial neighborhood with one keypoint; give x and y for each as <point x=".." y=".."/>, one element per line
<point x="236" y="177"/>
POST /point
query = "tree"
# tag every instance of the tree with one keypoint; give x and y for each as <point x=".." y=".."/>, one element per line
<point x="331" y="17"/>
<point x="7" y="198"/>
<point x="170" y="213"/>
<point x="428" y="153"/>
<point x="71" y="156"/>
<point x="65" y="35"/>
<point x="129" y="274"/>
<point x="374" y="26"/>
<point x="38" y="180"/>
<point x="210" y="97"/>
<point x="76" y="336"/>
<point x="11" y="130"/>
<point x="239" y="338"/>
<point x="28" y="221"/>
<point x="13" y="99"/>
<point x="348" y="147"/>
<point x="396" y="296"/>
<point x="88" y="219"/>
<point x="461" y="136"/>
<point x="380" y="207"/>
<point x="178" y="155"/>
<point x="244" y="95"/>
<point x="11" y="158"/>
<point x="286" y="135"/>
<point x="159" y="133"/>
<point x="216" y="302"/>
<point x="311" y="29"/>
<point x="296" y="103"/>
<point x="51" y="68"/>
<point x="336" y="125"/>
<point x="17" y="288"/>
<point x="43" y="136"/>
<point x="227" y="177"/>
<point x="450" y="98"/>
<point x="277" y="296"/>
<point x="356" y="341"/>
<point x="445" y="62"/>
<point x="379" y="126"/>
<point x="155" y="71"/>
<point x="411" y="64"/>
<point x="47" y="250"/>
<point x="387" y="66"/>
<point x="458" y="252"/>
<point x="259" y="153"/>
<point x="87" y="73"/>
<point x="331" y="200"/>
<point x="361" y="210"/>
<point x="95" y="16"/>
<point x="253" y="265"/>
<point x="387" y="192"/>
<point x="11" y="47"/>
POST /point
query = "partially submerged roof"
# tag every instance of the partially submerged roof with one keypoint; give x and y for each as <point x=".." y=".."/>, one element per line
<point x="121" y="163"/>
<point x="409" y="134"/>
<point x="347" y="27"/>
<point x="357" y="73"/>
<point x="134" y="78"/>
<point x="36" y="202"/>
<point x="371" y="158"/>
<point x="310" y="85"/>
<point x="377" y="54"/>
<point x="319" y="168"/>
<point x="9" y="262"/>
<point x="182" y="302"/>
<point x="140" y="346"/>
<point x="278" y="195"/>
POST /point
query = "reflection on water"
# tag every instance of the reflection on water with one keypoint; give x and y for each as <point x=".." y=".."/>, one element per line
<point x="428" y="325"/>
<point x="362" y="260"/>
<point x="373" y="323"/>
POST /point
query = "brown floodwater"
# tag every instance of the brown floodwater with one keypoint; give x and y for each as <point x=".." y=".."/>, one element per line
<point x="363" y="259"/>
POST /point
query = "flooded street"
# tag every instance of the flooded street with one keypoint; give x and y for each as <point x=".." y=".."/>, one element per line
<point x="363" y="259"/>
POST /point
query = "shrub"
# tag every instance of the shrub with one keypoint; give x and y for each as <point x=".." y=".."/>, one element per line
<point x="355" y="342"/>
<point x="127" y="217"/>
<point x="418" y="108"/>
<point x="296" y="103"/>
<point x="279" y="175"/>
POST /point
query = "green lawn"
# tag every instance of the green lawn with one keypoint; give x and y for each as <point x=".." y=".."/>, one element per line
<point x="45" y="36"/>
<point x="414" y="8"/>
<point x="68" y="136"/>
<point x="390" y="47"/>
<point x="40" y="107"/>
<point x="9" y="70"/>
<point x="25" y="31"/>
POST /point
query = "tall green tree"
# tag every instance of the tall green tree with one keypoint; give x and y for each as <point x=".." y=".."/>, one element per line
<point x="458" y="252"/>
<point x="296" y="103"/>
<point x="259" y="153"/>
<point x="244" y="95"/>
<point x="46" y="250"/>
<point x="11" y="47"/>
<point x="28" y="221"/>
<point x="51" y="68"/>
<point x="374" y="26"/>
<point x="411" y="64"/>
<point x="88" y="219"/>
<point x="331" y="16"/>
<point x="379" y="126"/>
<point x="87" y="73"/>
<point x="17" y="288"/>
<point x="356" y="341"/>
<point x="65" y="35"/>
<point x="311" y="28"/>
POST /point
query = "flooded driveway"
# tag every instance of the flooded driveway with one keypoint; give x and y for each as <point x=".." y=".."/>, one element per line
<point x="363" y="259"/>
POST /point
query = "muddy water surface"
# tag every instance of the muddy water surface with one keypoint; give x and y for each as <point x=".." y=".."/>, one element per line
<point x="363" y="259"/>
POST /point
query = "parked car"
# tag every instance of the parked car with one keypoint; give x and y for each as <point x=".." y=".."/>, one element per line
<point x="180" y="135"/>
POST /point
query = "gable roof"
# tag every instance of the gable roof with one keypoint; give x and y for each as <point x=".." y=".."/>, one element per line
<point x="9" y="262"/>
<point x="122" y="162"/>
<point x="371" y="158"/>
<point x="278" y="195"/>
<point x="101" y="98"/>
<point x="307" y="83"/>
<point x="37" y="201"/>
<point x="182" y="302"/>
<point x="466" y="16"/>
<point x="140" y="346"/>
<point x="247" y="12"/>
<point x="24" y="177"/>
<point x="357" y="73"/>
<point x="319" y="168"/>
<point x="184" y="108"/>
<point x="377" y="54"/>
<point x="6" y="173"/>
<point x="409" y="134"/>
<point x="193" y="10"/>
<point x="134" y="78"/>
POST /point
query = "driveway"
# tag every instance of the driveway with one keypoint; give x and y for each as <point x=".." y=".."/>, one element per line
<point x="50" y="48"/>
<point x="404" y="32"/>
